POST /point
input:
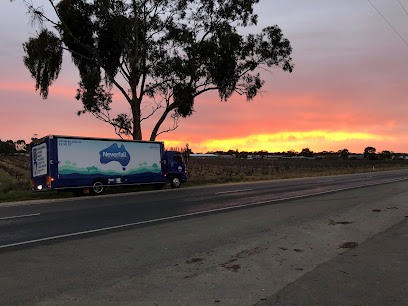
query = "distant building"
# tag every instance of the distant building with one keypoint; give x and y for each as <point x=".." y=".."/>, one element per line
<point x="356" y="156"/>
<point x="203" y="156"/>
<point x="227" y="156"/>
<point x="274" y="157"/>
<point x="297" y="157"/>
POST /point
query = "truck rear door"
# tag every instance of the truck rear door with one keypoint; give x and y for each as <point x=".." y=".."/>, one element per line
<point x="40" y="168"/>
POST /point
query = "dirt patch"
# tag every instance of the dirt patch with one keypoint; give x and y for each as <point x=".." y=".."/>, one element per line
<point x="256" y="250"/>
<point x="332" y="222"/>
<point x="376" y="210"/>
<point x="348" y="245"/>
<point x="298" y="250"/>
<point x="194" y="260"/>
<point x="231" y="268"/>
<point x="190" y="276"/>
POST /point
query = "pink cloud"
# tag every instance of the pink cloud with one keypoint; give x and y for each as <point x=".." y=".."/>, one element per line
<point x="350" y="77"/>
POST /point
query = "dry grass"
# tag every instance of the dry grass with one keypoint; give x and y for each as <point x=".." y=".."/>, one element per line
<point x="218" y="170"/>
<point x="14" y="173"/>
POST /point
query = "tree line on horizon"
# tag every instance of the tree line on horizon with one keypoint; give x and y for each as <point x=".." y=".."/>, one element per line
<point x="369" y="153"/>
<point x="10" y="147"/>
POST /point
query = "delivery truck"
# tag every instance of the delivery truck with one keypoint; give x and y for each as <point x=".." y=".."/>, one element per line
<point x="86" y="163"/>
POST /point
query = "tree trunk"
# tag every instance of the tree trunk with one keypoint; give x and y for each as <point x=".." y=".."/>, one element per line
<point x="137" y="130"/>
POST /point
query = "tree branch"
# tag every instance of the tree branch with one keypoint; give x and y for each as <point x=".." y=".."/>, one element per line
<point x="106" y="118"/>
<point x="175" y="125"/>
<point x="153" y="111"/>
<point x="169" y="108"/>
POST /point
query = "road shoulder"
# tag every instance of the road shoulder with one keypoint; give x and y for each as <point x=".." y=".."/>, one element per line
<point x="370" y="274"/>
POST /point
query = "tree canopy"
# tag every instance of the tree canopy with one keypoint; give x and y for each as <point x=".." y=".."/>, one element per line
<point x="370" y="153"/>
<point x="11" y="147"/>
<point x="159" y="54"/>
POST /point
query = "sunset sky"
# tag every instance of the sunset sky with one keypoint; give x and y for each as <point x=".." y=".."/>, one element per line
<point x="348" y="88"/>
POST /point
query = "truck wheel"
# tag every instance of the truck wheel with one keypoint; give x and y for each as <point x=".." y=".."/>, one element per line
<point x="97" y="188"/>
<point x="175" y="182"/>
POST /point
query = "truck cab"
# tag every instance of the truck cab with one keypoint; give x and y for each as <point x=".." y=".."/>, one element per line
<point x="176" y="168"/>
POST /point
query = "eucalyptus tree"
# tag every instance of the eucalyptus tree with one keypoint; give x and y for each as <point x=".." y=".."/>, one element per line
<point x="159" y="54"/>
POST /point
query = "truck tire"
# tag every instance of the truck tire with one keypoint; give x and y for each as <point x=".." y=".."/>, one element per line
<point x="97" y="187"/>
<point x="175" y="181"/>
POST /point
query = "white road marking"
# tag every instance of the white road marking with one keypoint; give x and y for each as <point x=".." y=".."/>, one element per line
<point x="193" y="214"/>
<point x="22" y="216"/>
<point x="233" y="191"/>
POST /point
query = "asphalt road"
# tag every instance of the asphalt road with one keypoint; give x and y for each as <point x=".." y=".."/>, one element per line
<point x="284" y="252"/>
<point x="371" y="274"/>
<point x="52" y="220"/>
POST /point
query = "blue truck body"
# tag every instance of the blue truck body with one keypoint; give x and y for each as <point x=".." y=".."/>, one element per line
<point x="69" y="162"/>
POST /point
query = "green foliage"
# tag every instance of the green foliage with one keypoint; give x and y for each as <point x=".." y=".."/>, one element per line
<point x="184" y="99"/>
<point x="344" y="154"/>
<point x="76" y="31"/>
<point x="306" y="152"/>
<point x="386" y="155"/>
<point x="369" y="153"/>
<point x="164" y="52"/>
<point x="43" y="59"/>
<point x="10" y="147"/>
<point x="7" y="147"/>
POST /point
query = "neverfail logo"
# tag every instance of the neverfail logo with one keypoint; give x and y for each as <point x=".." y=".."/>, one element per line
<point x="114" y="153"/>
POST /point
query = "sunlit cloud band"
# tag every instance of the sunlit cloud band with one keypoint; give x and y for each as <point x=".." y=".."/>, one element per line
<point x="285" y="141"/>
